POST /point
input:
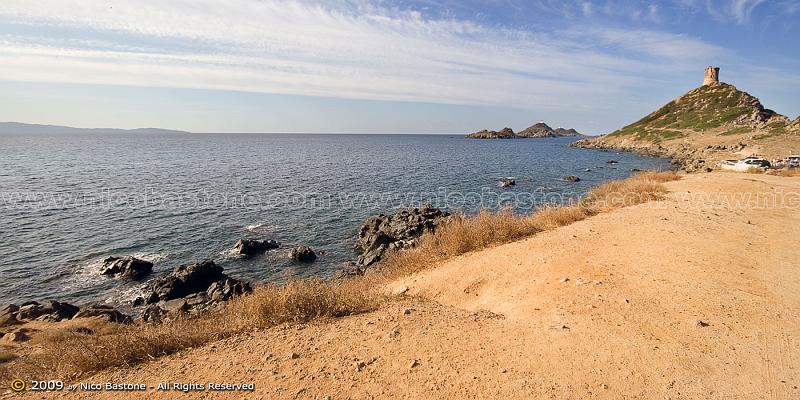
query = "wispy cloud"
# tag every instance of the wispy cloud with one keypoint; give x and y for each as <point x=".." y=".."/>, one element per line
<point x="342" y="49"/>
<point x="743" y="9"/>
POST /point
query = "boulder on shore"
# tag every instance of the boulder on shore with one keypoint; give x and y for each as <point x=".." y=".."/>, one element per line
<point x="185" y="280"/>
<point x="50" y="310"/>
<point x="130" y="267"/>
<point x="303" y="254"/>
<point x="8" y="315"/>
<point x="382" y="233"/>
<point x="252" y="247"/>
<point x="192" y="289"/>
<point x="104" y="311"/>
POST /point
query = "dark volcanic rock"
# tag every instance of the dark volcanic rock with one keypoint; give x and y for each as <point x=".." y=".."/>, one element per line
<point x="130" y="267"/>
<point x="400" y="230"/>
<point x="8" y="315"/>
<point x="303" y="254"/>
<point x="189" y="289"/>
<point x="107" y="312"/>
<point x="50" y="310"/>
<point x="224" y="290"/>
<point x="185" y="280"/>
<point x="252" y="247"/>
<point x="507" y="182"/>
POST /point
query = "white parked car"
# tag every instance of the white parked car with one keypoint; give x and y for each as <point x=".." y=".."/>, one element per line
<point x="746" y="164"/>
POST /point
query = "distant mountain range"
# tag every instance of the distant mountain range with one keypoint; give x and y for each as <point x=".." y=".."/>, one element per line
<point x="20" y="128"/>
<point x="535" y="131"/>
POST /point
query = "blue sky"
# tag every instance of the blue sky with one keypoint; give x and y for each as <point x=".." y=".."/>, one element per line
<point x="387" y="66"/>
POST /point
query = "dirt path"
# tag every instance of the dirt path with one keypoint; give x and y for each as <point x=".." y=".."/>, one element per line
<point x="609" y="308"/>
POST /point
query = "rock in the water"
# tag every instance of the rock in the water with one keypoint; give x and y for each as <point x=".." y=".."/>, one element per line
<point x="107" y="312"/>
<point x="571" y="178"/>
<point x="185" y="280"/>
<point x="505" y="133"/>
<point x="507" y="182"/>
<point x="303" y="254"/>
<point x="252" y="247"/>
<point x="130" y="267"/>
<point x="50" y="310"/>
<point x="402" y="229"/>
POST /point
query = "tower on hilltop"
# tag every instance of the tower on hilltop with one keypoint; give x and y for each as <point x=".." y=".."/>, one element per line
<point x="711" y="76"/>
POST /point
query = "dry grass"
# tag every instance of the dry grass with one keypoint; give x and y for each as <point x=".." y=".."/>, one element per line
<point x="786" y="172"/>
<point x="69" y="353"/>
<point x="490" y="229"/>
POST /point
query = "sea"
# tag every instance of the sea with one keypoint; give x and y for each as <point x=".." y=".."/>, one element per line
<point x="69" y="201"/>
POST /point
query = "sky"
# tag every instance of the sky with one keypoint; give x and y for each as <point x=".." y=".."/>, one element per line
<point x="384" y="66"/>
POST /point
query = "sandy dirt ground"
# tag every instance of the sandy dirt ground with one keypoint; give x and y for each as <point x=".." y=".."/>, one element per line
<point x="694" y="297"/>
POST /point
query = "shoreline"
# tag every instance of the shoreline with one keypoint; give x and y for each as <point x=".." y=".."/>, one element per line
<point x="598" y="308"/>
<point x="643" y="187"/>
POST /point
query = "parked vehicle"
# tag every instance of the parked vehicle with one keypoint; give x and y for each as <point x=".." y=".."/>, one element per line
<point x="746" y="164"/>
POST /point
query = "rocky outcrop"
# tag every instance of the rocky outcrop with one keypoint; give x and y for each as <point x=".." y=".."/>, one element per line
<point x="538" y="130"/>
<point x="189" y="289"/>
<point x="183" y="281"/>
<point x="252" y="247"/>
<point x="505" y="133"/>
<point x="303" y="254"/>
<point x="129" y="267"/>
<point x="382" y="233"/>
<point x="54" y="311"/>
<point x="567" y="132"/>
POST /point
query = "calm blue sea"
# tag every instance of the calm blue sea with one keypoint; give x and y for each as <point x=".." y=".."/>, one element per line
<point x="69" y="201"/>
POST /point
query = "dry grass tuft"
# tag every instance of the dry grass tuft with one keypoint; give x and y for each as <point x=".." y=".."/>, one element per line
<point x="71" y="353"/>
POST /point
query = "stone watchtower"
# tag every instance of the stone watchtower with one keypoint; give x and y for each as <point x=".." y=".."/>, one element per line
<point x="712" y="76"/>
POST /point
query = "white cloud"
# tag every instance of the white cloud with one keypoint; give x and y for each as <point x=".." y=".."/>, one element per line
<point x="343" y="49"/>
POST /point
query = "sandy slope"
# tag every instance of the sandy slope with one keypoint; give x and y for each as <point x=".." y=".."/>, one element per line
<point x="501" y="323"/>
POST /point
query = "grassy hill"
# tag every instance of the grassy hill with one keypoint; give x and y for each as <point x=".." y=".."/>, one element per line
<point x="705" y="125"/>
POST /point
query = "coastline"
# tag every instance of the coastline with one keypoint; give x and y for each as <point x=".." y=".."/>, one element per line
<point x="598" y="308"/>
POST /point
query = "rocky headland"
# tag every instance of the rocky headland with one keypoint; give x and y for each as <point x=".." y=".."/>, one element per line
<point x="708" y="124"/>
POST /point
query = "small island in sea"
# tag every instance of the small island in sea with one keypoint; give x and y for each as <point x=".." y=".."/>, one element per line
<point x="538" y="130"/>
